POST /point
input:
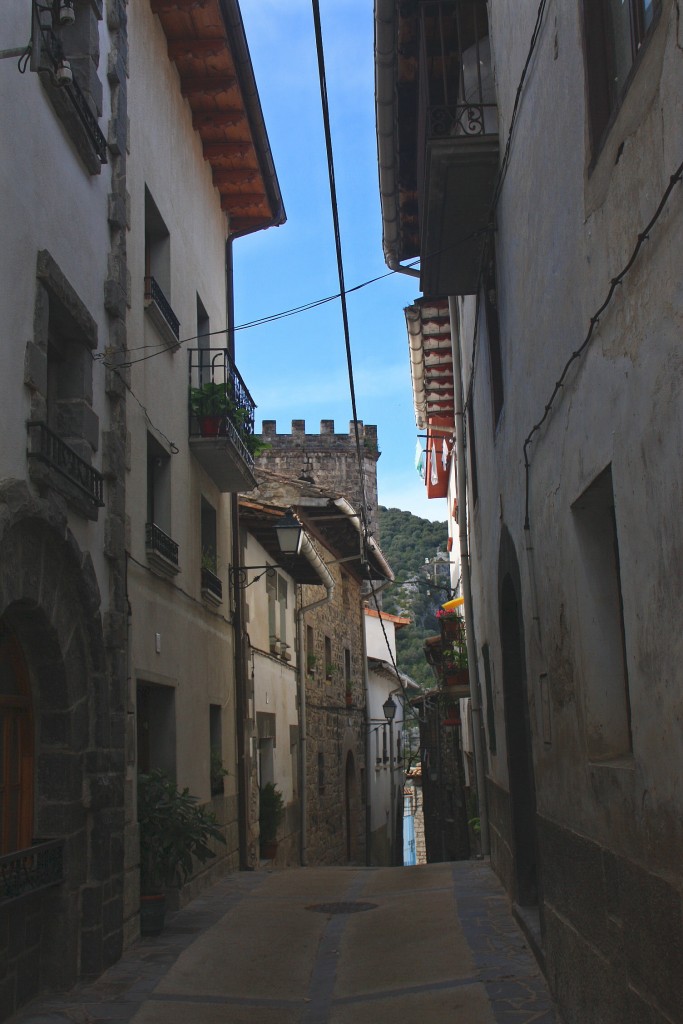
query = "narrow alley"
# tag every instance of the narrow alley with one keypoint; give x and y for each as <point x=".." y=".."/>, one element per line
<point x="369" y="945"/>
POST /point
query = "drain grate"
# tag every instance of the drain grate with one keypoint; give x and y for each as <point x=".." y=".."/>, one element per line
<point x="354" y="907"/>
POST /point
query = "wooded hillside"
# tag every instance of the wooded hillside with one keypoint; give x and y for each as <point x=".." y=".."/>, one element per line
<point x="408" y="540"/>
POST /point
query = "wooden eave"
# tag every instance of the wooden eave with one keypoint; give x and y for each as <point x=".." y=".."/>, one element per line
<point x="202" y="47"/>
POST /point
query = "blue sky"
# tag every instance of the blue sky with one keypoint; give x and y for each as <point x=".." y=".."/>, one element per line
<point x="296" y="368"/>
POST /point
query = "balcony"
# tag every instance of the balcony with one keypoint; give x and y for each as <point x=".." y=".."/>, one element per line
<point x="162" y="552"/>
<point x="221" y="420"/>
<point x="28" y="871"/>
<point x="212" y="588"/>
<point x="49" y="448"/>
<point x="458" y="150"/>
<point x="162" y="316"/>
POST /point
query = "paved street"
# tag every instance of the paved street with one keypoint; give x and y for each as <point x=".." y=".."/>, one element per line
<point x="429" y="943"/>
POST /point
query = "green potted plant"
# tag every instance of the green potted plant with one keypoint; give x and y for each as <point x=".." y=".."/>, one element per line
<point x="210" y="403"/>
<point x="271" y="813"/>
<point x="175" y="830"/>
<point x="311" y="663"/>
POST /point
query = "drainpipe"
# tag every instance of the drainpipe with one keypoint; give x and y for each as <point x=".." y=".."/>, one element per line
<point x="316" y="561"/>
<point x="466" y="581"/>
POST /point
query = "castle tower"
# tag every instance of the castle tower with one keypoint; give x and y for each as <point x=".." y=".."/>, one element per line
<point x="327" y="460"/>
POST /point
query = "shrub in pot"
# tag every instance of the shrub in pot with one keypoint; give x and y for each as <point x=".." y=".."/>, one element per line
<point x="175" y="831"/>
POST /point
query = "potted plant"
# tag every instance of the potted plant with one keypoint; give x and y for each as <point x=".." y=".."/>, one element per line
<point x="218" y="772"/>
<point x="311" y="663"/>
<point x="271" y="813"/>
<point x="454" y="663"/>
<point x="174" y="831"/>
<point x="211" y="404"/>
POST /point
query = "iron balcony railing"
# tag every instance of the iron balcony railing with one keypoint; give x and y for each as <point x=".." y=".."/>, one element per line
<point x="457" y="87"/>
<point x="26" y="871"/>
<point x="212" y="584"/>
<point x="153" y="293"/>
<point x="48" y="447"/>
<point x="219" y="402"/>
<point x="73" y="90"/>
<point x="160" y="543"/>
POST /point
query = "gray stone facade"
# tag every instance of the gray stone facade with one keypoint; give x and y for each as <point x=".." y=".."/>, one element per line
<point x="327" y="460"/>
<point x="50" y="602"/>
<point x="336" y="713"/>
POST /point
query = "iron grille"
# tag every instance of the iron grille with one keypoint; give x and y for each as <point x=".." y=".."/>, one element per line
<point x="38" y="867"/>
<point x="51" y="449"/>
<point x="78" y="100"/>
<point x="456" y="69"/>
<point x="212" y="583"/>
<point x="218" y="392"/>
<point x="156" y="540"/>
<point x="153" y="293"/>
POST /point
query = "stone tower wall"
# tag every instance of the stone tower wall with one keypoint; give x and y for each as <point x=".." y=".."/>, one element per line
<point x="327" y="460"/>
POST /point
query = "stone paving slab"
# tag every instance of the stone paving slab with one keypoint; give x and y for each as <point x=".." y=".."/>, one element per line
<point x="429" y="943"/>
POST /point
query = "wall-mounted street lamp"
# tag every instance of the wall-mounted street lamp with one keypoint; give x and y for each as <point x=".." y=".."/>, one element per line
<point x="289" y="532"/>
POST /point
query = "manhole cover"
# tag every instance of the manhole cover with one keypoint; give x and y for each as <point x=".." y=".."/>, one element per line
<point x="341" y="908"/>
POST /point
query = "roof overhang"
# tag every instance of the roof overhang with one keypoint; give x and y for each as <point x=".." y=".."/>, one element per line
<point x="207" y="44"/>
<point x="431" y="360"/>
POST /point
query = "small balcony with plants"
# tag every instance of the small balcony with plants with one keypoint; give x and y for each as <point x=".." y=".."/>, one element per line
<point x="221" y="420"/>
<point x="457" y="154"/>
<point x="447" y="655"/>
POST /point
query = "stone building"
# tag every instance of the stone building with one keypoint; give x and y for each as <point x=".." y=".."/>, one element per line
<point x="328" y="460"/>
<point x="330" y="652"/>
<point x="62" y="499"/>
<point x="531" y="156"/>
<point x="115" y="509"/>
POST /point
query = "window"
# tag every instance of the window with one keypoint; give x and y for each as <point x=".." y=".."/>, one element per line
<point x="329" y="666"/>
<point x="488" y="685"/>
<point x="156" y="729"/>
<point x="603" y="639"/>
<point x="162" y="550"/>
<point x="321" y="772"/>
<point x="16" y="747"/>
<point x="471" y="444"/>
<point x="158" y="485"/>
<point x="493" y="334"/>
<point x="158" y="275"/>
<point x="310" y="650"/>
<point x="277" y="591"/>
<point x="203" y="343"/>
<point x="217" y="770"/>
<point x="63" y="429"/>
<point x="65" y="53"/>
<point x="615" y="31"/>
<point x="212" y="588"/>
<point x="294" y="756"/>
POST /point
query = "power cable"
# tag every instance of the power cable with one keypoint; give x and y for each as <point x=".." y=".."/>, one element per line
<point x="594" y="321"/>
<point x="340" y="264"/>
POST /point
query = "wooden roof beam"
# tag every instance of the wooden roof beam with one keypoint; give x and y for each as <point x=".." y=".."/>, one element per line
<point x="198" y="48"/>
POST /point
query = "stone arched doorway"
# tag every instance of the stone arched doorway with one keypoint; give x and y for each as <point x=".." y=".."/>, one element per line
<point x="16" y="745"/>
<point x="64" y="713"/>
<point x="517" y="728"/>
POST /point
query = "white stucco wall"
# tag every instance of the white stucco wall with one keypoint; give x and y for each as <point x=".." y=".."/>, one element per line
<point x="47" y="199"/>
<point x="196" y="638"/>
<point x="564" y="229"/>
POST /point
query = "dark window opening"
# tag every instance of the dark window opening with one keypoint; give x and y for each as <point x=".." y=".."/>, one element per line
<point x="493" y="334"/>
<point x="615" y="32"/>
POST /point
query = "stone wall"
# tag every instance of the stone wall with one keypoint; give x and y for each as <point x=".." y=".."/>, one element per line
<point x="336" y="727"/>
<point x="327" y="460"/>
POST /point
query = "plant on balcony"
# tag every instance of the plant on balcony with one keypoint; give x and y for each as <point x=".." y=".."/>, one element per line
<point x="454" y="663"/>
<point x="175" y="830"/>
<point x="212" y="404"/>
<point x="311" y="661"/>
<point x="209" y="560"/>
<point x="218" y="772"/>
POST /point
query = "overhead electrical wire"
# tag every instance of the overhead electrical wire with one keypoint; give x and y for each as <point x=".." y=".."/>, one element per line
<point x="340" y="266"/>
<point x="594" y="321"/>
